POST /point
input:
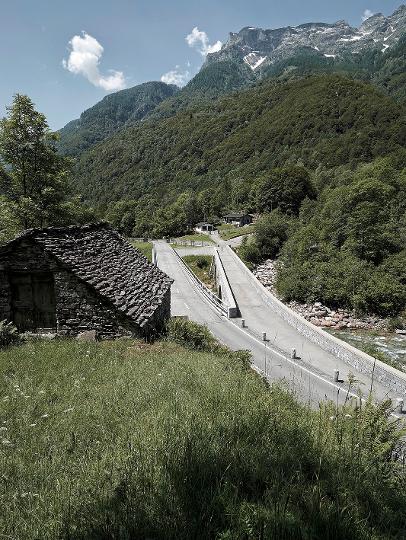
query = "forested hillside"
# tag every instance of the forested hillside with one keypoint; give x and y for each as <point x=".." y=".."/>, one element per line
<point x="386" y="70"/>
<point x="324" y="121"/>
<point x="112" y="113"/>
<point x="322" y="158"/>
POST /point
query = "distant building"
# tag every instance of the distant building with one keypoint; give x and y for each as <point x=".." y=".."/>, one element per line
<point x="74" y="279"/>
<point x="204" y="228"/>
<point x="239" y="219"/>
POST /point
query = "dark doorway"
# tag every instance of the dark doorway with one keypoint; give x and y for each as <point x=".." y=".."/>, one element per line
<point x="33" y="300"/>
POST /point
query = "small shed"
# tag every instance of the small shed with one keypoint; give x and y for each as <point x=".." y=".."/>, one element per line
<point x="73" y="279"/>
<point x="204" y="227"/>
<point x="239" y="219"/>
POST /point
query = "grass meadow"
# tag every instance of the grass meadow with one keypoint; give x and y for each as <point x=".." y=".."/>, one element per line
<point x="228" y="231"/>
<point x="129" y="440"/>
<point x="144" y="247"/>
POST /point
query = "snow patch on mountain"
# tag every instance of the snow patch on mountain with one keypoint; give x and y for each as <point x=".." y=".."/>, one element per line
<point x="254" y="60"/>
<point x="258" y="46"/>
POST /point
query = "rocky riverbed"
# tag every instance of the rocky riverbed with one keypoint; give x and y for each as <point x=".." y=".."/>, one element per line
<point x="317" y="313"/>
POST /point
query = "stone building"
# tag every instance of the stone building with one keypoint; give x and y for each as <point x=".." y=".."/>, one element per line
<point x="239" y="219"/>
<point x="74" y="279"/>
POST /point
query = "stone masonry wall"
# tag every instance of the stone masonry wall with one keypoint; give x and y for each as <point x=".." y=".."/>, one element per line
<point x="78" y="307"/>
<point x="5" y="297"/>
<point x="160" y="317"/>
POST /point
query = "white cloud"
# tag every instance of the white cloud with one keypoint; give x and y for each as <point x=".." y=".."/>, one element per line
<point x="176" y="76"/>
<point x="367" y="13"/>
<point x="200" y="41"/>
<point x="84" y="58"/>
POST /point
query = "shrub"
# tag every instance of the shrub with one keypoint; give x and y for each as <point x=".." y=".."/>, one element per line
<point x="190" y="334"/>
<point x="202" y="262"/>
<point x="250" y="252"/>
<point x="271" y="232"/>
<point x="8" y="334"/>
<point x="396" y="323"/>
<point x="199" y="338"/>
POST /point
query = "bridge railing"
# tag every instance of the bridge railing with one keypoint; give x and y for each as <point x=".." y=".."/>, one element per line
<point x="190" y="243"/>
<point x="213" y="298"/>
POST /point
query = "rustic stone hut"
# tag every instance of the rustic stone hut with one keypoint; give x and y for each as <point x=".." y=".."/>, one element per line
<point x="239" y="219"/>
<point x="74" y="279"/>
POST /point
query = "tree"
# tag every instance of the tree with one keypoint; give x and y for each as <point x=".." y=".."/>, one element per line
<point x="9" y="226"/>
<point x="36" y="179"/>
<point x="284" y="188"/>
<point x="271" y="231"/>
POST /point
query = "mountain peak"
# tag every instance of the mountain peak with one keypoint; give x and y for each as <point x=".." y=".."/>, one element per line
<point x="258" y="47"/>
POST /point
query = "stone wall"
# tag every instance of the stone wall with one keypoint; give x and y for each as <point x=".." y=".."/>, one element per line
<point x="160" y="317"/>
<point x="78" y="306"/>
<point x="390" y="377"/>
<point x="5" y="297"/>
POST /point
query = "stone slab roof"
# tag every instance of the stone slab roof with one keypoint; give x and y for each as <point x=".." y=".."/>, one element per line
<point x="102" y="258"/>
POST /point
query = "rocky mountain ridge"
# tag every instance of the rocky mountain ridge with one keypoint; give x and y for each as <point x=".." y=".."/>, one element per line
<point x="259" y="48"/>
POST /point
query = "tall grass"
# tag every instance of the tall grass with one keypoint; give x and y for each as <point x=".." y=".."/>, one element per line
<point x="128" y="440"/>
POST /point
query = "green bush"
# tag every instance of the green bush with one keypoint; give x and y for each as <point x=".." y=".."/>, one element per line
<point x="271" y="231"/>
<point x="396" y="323"/>
<point x="8" y="334"/>
<point x="190" y="334"/>
<point x="202" y="262"/>
<point x="249" y="251"/>
<point x="199" y="338"/>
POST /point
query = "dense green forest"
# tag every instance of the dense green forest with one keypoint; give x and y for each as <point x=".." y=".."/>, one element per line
<point x="318" y="122"/>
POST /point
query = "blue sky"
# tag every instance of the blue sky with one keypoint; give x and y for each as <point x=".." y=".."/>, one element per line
<point x="140" y="40"/>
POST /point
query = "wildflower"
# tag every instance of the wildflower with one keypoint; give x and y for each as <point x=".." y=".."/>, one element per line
<point x="332" y="417"/>
<point x="33" y="425"/>
<point x="44" y="416"/>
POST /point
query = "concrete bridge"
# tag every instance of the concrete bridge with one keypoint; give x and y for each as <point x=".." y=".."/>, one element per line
<point x="312" y="373"/>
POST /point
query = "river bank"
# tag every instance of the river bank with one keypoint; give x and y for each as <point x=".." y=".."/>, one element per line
<point x="367" y="333"/>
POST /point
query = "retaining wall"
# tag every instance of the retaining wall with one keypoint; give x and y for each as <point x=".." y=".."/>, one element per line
<point x="390" y="377"/>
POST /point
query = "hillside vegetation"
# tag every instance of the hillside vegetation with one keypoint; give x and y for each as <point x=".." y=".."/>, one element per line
<point x="326" y="120"/>
<point x="327" y="152"/>
<point x="112" y="113"/>
<point x="128" y="440"/>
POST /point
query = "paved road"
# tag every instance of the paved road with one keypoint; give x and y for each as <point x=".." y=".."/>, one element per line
<point x="309" y="382"/>
<point x="261" y="318"/>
